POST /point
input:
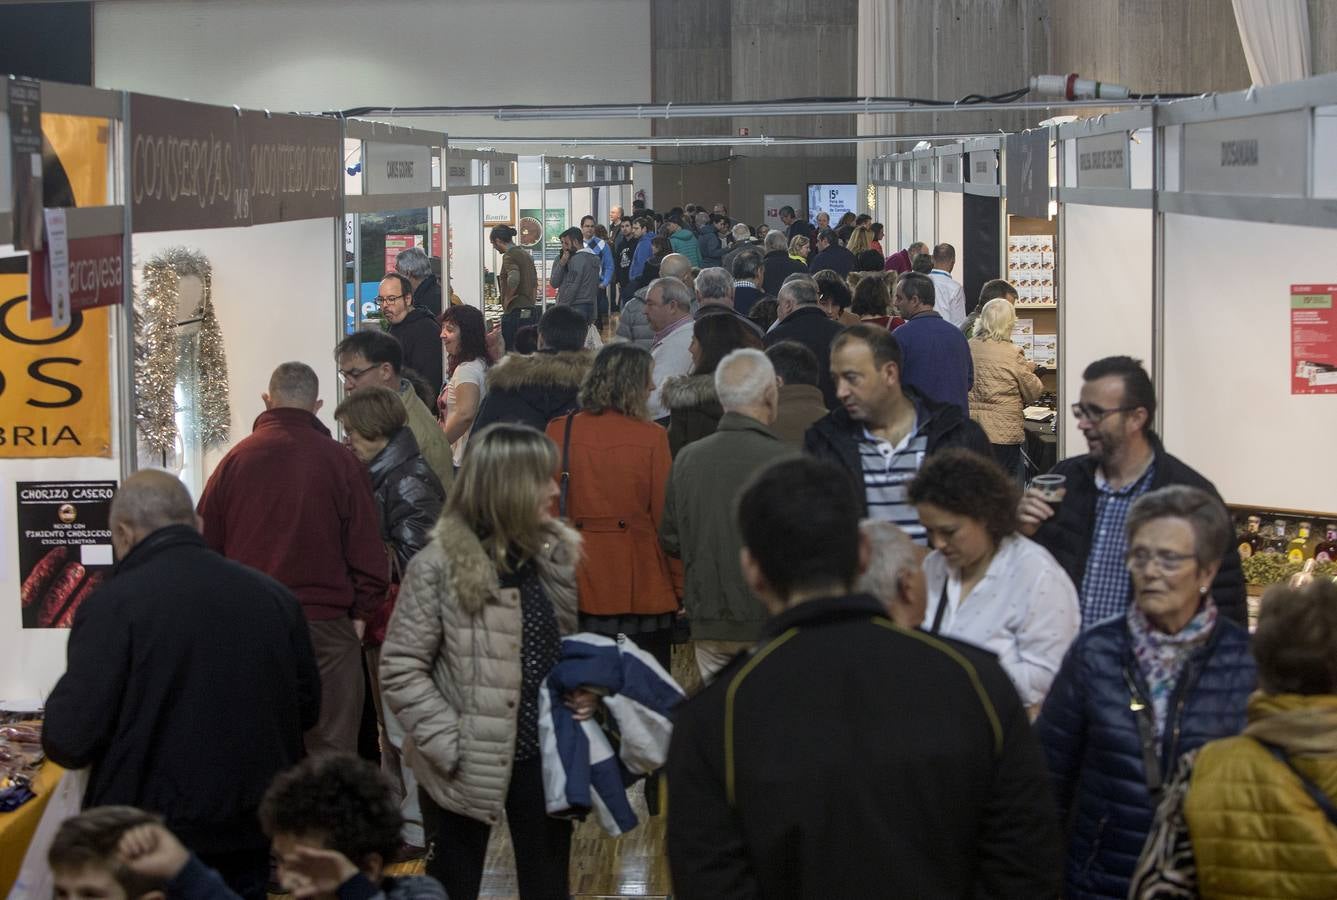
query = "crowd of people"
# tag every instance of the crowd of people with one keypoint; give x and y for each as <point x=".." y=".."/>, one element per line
<point x="921" y="675"/>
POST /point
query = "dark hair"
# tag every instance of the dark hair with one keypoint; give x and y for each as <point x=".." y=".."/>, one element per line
<point x="646" y="222"/>
<point x="834" y="288"/>
<point x="338" y="795"/>
<point x="527" y="338"/>
<point x="849" y="218"/>
<point x="1137" y="387"/>
<point x="638" y="203"/>
<point x="944" y="253"/>
<point x="799" y="519"/>
<point x="661" y="244"/>
<point x="405" y="286"/>
<point x="563" y="328"/>
<point x="826" y="234"/>
<point x="573" y="234"/>
<point x="965" y="483"/>
<point x="764" y="312"/>
<point x="786" y="210"/>
<point x="1296" y="641"/>
<point x="674" y="218"/>
<point x="871" y="297"/>
<point x="747" y="262"/>
<point x="914" y="284"/>
<point x="583" y="220"/>
<point x="473" y="335"/>
<point x="92" y="840"/>
<point x="717" y="218"/>
<point x="878" y="229"/>
<point x="426" y="393"/>
<point x="504" y="233"/>
<point x="922" y="264"/>
<point x="719" y="336"/>
<point x="375" y="347"/>
<point x="794" y="363"/>
<point x="995" y="288"/>
<point x="879" y="340"/>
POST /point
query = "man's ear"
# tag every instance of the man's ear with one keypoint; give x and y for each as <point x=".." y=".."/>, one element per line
<point x="319" y="404"/>
<point x="268" y="403"/>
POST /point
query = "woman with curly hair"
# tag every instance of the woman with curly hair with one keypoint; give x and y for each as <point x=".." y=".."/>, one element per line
<point x="987" y="584"/>
<point x="465" y="338"/>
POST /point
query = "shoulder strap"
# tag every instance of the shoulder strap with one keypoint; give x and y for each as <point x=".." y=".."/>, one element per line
<point x="1146" y="732"/>
<point x="566" y="465"/>
<point x="942" y="608"/>
<point x="1315" y="793"/>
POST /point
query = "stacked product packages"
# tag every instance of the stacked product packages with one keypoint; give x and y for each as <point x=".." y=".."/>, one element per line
<point x="1042" y="349"/>
<point x="1030" y="268"/>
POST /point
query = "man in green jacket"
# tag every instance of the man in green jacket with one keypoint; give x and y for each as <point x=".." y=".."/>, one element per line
<point x="698" y="512"/>
<point x="683" y="239"/>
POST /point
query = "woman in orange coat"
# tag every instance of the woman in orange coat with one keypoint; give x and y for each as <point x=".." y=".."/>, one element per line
<point x="615" y="467"/>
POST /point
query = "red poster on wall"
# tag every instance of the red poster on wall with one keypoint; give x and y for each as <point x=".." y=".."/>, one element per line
<point x="1313" y="339"/>
<point x="95" y="275"/>
<point x="397" y="242"/>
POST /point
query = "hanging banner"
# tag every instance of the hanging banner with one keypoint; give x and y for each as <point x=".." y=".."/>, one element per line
<point x="554" y="223"/>
<point x="1028" y="174"/>
<point x="200" y="166"/>
<point x="55" y="394"/>
<point x="1313" y="339"/>
<point x="65" y="551"/>
<point x="25" y="153"/>
<point x="398" y="168"/>
<point x="95" y="276"/>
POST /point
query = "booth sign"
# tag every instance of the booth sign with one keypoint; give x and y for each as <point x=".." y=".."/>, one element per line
<point x="1260" y="155"/>
<point x="983" y="167"/>
<point x="398" y="168"/>
<point x="94" y="271"/>
<point x="1102" y="161"/>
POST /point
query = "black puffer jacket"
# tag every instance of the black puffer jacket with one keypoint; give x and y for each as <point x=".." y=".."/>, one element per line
<point x="408" y="494"/>
<point x="533" y="390"/>
<point x="1089" y="732"/>
<point x="836" y="436"/>
<point x="694" y="409"/>
<point x="1068" y="534"/>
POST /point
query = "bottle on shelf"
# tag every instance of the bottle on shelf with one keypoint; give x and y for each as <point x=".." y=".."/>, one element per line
<point x="1326" y="549"/>
<point x="1300" y="548"/>
<point x="1277" y="541"/>
<point x="1250" y="539"/>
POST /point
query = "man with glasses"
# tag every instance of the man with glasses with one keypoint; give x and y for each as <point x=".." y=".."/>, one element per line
<point x="374" y="359"/>
<point x="1125" y="459"/>
<point x="414" y="327"/>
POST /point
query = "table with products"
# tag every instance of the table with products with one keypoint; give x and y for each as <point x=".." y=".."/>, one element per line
<point x="36" y="795"/>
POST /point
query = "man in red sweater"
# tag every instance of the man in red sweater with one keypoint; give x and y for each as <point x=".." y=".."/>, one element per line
<point x="294" y="503"/>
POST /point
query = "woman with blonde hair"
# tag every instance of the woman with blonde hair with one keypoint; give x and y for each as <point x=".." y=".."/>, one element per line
<point x="866" y="258"/>
<point x="477" y="628"/>
<point x="798" y="250"/>
<point x="1005" y="381"/>
<point x="614" y="472"/>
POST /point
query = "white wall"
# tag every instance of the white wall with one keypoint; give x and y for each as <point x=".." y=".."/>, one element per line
<point x="317" y="55"/>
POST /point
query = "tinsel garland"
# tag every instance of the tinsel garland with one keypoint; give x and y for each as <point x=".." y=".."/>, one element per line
<point x="164" y="356"/>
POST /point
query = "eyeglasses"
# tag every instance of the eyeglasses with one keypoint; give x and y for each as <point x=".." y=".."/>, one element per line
<point x="1165" y="560"/>
<point x="355" y="374"/>
<point x="1095" y="414"/>
<point x="391" y="299"/>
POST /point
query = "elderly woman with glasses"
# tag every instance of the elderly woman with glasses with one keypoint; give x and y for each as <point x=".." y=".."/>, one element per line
<point x="1137" y="692"/>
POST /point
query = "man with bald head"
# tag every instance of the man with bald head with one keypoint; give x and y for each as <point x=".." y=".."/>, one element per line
<point x="296" y="504"/>
<point x="190" y="680"/>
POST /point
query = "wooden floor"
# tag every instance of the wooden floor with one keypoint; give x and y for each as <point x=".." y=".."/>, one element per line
<point x="633" y="865"/>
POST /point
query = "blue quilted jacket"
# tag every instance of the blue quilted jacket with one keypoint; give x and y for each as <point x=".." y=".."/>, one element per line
<point x="1089" y="728"/>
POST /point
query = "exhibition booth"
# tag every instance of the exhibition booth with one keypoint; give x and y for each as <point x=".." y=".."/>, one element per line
<point x="483" y="189"/>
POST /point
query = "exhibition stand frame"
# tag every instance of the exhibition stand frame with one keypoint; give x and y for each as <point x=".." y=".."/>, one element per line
<point x="483" y="188"/>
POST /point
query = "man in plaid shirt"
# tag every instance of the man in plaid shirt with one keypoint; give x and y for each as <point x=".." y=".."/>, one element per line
<point x="1124" y="459"/>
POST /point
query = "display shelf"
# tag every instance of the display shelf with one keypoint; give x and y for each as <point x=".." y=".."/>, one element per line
<point x="1035" y="306"/>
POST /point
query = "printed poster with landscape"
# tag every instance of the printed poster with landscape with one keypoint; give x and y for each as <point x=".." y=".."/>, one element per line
<point x="64" y="535"/>
<point x="1313" y="339"/>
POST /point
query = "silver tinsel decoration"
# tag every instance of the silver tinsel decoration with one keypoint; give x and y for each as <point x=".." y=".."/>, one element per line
<point x="165" y="356"/>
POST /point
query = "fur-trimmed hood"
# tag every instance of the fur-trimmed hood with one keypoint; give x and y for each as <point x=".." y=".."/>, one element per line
<point x="686" y="391"/>
<point x="564" y="370"/>
<point x="473" y="577"/>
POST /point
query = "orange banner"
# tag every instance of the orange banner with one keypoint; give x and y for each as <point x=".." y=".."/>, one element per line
<point x="55" y="392"/>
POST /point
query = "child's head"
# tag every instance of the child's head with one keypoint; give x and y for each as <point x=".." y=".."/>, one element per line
<point x="335" y="802"/>
<point x="84" y="858"/>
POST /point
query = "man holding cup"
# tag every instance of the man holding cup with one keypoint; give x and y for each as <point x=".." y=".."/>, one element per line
<point x="1077" y="511"/>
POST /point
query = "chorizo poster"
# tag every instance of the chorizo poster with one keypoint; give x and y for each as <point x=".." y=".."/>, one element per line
<point x="64" y="532"/>
<point x="55" y="393"/>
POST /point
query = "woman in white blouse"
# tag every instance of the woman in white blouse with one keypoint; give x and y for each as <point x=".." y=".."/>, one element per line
<point x="464" y="337"/>
<point x="988" y="585"/>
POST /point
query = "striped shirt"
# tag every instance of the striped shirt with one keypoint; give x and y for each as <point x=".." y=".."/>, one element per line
<point x="887" y="470"/>
<point x="1106" y="585"/>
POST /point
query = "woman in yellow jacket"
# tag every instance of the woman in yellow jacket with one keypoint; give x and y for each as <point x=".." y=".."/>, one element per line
<point x="1256" y="815"/>
<point x="1004" y="383"/>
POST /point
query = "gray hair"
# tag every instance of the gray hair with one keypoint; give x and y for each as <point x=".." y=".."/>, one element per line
<point x="803" y="291"/>
<point x="714" y="284"/>
<point x="1205" y="514"/>
<point x="741" y="232"/>
<point x="413" y="263"/>
<point x="294" y="384"/>
<point x="891" y="552"/>
<point x="702" y="218"/>
<point x="747" y="263"/>
<point x="743" y="378"/>
<point x="151" y="499"/>
<point x="673" y="291"/>
<point x="775" y="240"/>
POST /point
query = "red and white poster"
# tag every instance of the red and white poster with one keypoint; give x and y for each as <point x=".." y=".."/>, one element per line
<point x="395" y="243"/>
<point x="95" y="276"/>
<point x="1313" y="339"/>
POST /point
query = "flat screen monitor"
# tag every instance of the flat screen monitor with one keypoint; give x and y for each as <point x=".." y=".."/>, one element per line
<point x="833" y="199"/>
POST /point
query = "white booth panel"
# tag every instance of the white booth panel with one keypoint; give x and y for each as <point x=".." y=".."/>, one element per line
<point x="1228" y="407"/>
<point x="1141" y="160"/>
<point x="466" y="248"/>
<point x="1325" y="151"/>
<point x="582" y="204"/>
<point x="926" y="226"/>
<point x="1106" y="295"/>
<point x="906" y="203"/>
<point x="951" y="229"/>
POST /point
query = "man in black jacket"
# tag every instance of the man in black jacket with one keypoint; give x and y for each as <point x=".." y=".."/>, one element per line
<point x="415" y="328"/>
<point x="1084" y="529"/>
<point x="190" y="682"/>
<point x="778" y="264"/>
<point x="532" y="390"/>
<point x="831" y="254"/>
<point x="801" y="319"/>
<point x="883" y="430"/>
<point x="847" y="756"/>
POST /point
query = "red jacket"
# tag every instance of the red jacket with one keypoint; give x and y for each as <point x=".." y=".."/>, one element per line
<point x="898" y="262"/>
<point x="297" y="505"/>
